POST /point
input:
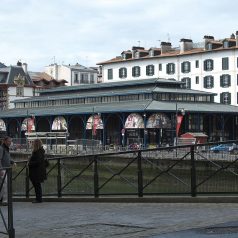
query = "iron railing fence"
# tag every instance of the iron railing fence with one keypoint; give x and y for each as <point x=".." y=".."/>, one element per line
<point x="6" y="226"/>
<point x="183" y="170"/>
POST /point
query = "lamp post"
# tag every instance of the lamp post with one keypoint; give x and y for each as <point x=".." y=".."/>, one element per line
<point x="145" y="130"/>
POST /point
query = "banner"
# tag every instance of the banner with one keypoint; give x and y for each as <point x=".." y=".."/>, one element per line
<point x="178" y="124"/>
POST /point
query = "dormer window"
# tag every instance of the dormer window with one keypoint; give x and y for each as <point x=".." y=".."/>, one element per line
<point x="137" y="55"/>
<point x="124" y="56"/>
<point x="225" y="44"/>
<point x="151" y="53"/>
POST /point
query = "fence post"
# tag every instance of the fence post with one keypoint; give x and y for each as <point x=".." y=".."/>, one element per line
<point x="59" y="178"/>
<point x="27" y="183"/>
<point x="96" y="192"/>
<point x="140" y="175"/>
<point x="11" y="230"/>
<point x="193" y="174"/>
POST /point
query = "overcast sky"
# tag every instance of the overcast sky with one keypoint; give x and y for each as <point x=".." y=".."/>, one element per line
<point x="41" y="32"/>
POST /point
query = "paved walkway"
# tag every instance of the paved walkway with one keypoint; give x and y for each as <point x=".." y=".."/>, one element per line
<point x="122" y="220"/>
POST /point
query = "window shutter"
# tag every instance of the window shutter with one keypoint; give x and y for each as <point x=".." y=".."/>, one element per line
<point x="189" y="67"/>
<point x="205" y="82"/>
<point x="133" y="71"/>
<point x="211" y="64"/>
<point x="182" y="67"/>
<point x="167" y="68"/>
<point x="152" y="69"/>
<point x="147" y="70"/>
<point x="205" y="65"/>
<point x="125" y="72"/>
<point x="221" y="81"/>
<point x="221" y="97"/>
<point x="212" y="82"/>
<point x="120" y="73"/>
<point x="229" y="80"/>
<point x="229" y="98"/>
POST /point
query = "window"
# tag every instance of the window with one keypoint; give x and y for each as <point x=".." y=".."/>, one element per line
<point x="225" y="98"/>
<point x="76" y="79"/>
<point x="137" y="55"/>
<point x="160" y="67"/>
<point x="151" y="53"/>
<point x="197" y="79"/>
<point x="208" y="65"/>
<point x="136" y="71"/>
<point x="122" y="73"/>
<point x="187" y="82"/>
<point x="185" y="67"/>
<point x="19" y="91"/>
<point x="208" y="82"/>
<point x="91" y="78"/>
<point x="109" y="74"/>
<point x="150" y="69"/>
<point x="170" y="68"/>
<point x="197" y="64"/>
<point x="225" y="63"/>
<point x="84" y="78"/>
<point x="225" y="81"/>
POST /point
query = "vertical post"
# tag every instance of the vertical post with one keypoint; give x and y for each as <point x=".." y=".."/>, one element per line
<point x="140" y="175"/>
<point x="27" y="183"/>
<point x="11" y="230"/>
<point x="59" y="179"/>
<point x="96" y="192"/>
<point x="193" y="173"/>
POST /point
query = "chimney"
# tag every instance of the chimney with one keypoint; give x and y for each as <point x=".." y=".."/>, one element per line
<point x="165" y="47"/>
<point x="185" y="44"/>
<point x="236" y="38"/>
<point x="56" y="70"/>
<point x="207" y="39"/>
<point x="19" y="63"/>
<point x="232" y="36"/>
<point x="24" y="66"/>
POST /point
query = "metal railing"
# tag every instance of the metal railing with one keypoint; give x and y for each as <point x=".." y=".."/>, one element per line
<point x="7" y="219"/>
<point x="183" y="170"/>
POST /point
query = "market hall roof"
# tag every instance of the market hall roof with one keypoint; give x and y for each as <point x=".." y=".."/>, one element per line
<point x="126" y="106"/>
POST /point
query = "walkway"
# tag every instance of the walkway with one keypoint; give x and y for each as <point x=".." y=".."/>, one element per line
<point x="122" y="220"/>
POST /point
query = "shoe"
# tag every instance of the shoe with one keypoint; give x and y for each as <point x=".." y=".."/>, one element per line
<point x="36" y="201"/>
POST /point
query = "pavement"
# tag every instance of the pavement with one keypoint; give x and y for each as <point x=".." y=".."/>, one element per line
<point x="122" y="220"/>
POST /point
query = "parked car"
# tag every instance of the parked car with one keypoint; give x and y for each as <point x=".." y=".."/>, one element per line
<point x="134" y="146"/>
<point x="224" y="147"/>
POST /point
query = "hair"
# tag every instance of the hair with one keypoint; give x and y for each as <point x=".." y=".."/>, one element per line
<point x="37" y="144"/>
<point x="6" y="138"/>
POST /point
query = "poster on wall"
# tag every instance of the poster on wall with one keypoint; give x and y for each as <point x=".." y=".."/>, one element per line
<point x="158" y="120"/>
<point x="2" y="125"/>
<point x="59" y="124"/>
<point x="134" y="121"/>
<point x="95" y="123"/>
<point x="28" y="125"/>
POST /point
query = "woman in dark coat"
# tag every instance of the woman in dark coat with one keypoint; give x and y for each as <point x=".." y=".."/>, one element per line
<point x="37" y="168"/>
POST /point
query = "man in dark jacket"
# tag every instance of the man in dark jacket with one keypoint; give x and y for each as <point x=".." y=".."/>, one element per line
<point x="5" y="162"/>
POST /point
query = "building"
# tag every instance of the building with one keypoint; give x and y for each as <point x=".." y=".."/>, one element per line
<point x="73" y="74"/>
<point x="15" y="83"/>
<point x="124" y="112"/>
<point x="210" y="66"/>
<point x="44" y="81"/>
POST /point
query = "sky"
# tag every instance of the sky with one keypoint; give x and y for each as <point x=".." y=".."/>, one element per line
<point x="42" y="32"/>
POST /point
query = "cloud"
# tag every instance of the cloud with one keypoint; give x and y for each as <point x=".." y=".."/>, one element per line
<point x="96" y="30"/>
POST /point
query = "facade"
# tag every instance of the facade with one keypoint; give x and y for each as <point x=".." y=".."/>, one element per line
<point x="122" y="113"/>
<point x="73" y="74"/>
<point x="15" y="83"/>
<point x="210" y="66"/>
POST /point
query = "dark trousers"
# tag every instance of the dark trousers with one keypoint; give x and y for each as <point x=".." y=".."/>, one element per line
<point x="38" y="190"/>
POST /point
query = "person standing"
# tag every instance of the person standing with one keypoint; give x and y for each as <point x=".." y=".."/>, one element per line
<point x="37" y="169"/>
<point x="5" y="162"/>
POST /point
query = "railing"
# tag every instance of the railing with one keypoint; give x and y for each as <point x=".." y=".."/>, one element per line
<point x="7" y="220"/>
<point x="183" y="170"/>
